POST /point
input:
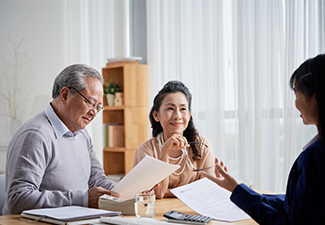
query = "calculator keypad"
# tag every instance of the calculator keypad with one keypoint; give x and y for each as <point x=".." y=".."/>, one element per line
<point x="197" y="218"/>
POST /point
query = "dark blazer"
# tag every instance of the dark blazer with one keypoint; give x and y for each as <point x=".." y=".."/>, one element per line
<point x="304" y="201"/>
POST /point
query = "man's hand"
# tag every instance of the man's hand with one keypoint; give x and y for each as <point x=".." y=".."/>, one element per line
<point x="94" y="194"/>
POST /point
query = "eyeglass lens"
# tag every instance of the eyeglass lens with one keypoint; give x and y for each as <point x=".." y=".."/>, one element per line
<point x="89" y="104"/>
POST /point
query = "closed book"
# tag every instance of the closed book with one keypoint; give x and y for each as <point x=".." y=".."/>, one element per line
<point x="126" y="206"/>
<point x="106" y="134"/>
<point x="116" y="136"/>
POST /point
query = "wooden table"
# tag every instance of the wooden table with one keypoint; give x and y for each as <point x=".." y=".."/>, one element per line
<point x="162" y="206"/>
<point x="167" y="204"/>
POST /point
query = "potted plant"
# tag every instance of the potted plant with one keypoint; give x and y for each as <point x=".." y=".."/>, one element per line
<point x="110" y="89"/>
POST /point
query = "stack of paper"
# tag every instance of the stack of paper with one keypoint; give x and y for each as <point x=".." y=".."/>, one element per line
<point x="116" y="204"/>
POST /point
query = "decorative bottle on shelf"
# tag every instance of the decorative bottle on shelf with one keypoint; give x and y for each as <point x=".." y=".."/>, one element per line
<point x="118" y="98"/>
<point x="110" y="99"/>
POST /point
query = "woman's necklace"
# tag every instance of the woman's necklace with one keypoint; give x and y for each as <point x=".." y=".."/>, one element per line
<point x="184" y="155"/>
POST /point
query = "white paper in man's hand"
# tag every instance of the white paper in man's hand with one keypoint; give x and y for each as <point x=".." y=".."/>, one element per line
<point x="209" y="199"/>
<point x="148" y="172"/>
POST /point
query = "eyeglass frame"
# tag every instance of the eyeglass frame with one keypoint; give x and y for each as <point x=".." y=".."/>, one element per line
<point x="198" y="142"/>
<point x="98" y="108"/>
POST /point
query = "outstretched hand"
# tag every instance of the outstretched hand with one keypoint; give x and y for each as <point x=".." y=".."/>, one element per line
<point x="222" y="178"/>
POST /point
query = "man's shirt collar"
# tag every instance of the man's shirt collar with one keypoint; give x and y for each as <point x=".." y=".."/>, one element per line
<point x="59" y="127"/>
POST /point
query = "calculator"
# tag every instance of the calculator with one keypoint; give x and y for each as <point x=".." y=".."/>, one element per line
<point x="178" y="217"/>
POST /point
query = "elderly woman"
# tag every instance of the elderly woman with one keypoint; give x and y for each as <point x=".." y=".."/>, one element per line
<point x="175" y="139"/>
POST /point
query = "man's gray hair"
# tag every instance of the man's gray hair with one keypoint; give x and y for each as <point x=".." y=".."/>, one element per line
<point x="74" y="76"/>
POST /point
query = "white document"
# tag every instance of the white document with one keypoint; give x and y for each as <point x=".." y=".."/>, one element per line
<point x="134" y="221"/>
<point x="148" y="172"/>
<point x="209" y="199"/>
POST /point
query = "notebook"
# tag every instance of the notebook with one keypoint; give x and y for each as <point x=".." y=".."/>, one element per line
<point x="66" y="214"/>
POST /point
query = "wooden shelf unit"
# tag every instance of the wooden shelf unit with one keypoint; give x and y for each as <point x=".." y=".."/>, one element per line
<point x="133" y="114"/>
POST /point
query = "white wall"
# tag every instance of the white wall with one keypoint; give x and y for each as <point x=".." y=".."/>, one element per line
<point x="3" y="154"/>
<point x="40" y="26"/>
<point x="56" y="34"/>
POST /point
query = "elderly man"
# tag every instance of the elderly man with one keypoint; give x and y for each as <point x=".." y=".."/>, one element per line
<point x="51" y="161"/>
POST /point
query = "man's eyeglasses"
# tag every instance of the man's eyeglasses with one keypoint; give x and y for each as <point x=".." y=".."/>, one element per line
<point x="89" y="104"/>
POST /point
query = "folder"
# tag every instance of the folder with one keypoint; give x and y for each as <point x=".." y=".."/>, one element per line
<point x="65" y="215"/>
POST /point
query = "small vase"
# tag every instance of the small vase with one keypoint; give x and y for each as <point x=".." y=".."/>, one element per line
<point x="110" y="99"/>
<point x="14" y="125"/>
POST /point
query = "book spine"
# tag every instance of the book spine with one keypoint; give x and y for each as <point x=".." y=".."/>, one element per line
<point x="116" y="136"/>
<point x="110" y="137"/>
<point x="106" y="133"/>
<point x="106" y="136"/>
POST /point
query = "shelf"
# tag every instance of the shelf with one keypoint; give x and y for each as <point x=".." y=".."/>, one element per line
<point x="121" y="107"/>
<point x="133" y="114"/>
<point x="106" y="149"/>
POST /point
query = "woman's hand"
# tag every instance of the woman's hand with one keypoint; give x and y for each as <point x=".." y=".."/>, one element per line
<point x="176" y="141"/>
<point x="152" y="190"/>
<point x="223" y="179"/>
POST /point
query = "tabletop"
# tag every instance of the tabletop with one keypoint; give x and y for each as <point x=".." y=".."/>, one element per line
<point x="162" y="206"/>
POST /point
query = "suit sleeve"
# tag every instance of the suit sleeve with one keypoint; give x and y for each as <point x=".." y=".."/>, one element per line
<point x="263" y="209"/>
<point x="304" y="199"/>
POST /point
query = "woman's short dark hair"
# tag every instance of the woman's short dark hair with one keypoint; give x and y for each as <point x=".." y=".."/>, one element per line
<point x="190" y="133"/>
<point x="309" y="79"/>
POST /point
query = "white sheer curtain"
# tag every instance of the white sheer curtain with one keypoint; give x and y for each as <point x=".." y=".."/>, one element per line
<point x="304" y="38"/>
<point x="94" y="31"/>
<point x="237" y="57"/>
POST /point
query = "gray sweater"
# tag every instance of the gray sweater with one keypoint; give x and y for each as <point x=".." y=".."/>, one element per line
<point x="45" y="171"/>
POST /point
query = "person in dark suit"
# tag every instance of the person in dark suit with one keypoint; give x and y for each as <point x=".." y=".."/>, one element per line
<point x="304" y="200"/>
